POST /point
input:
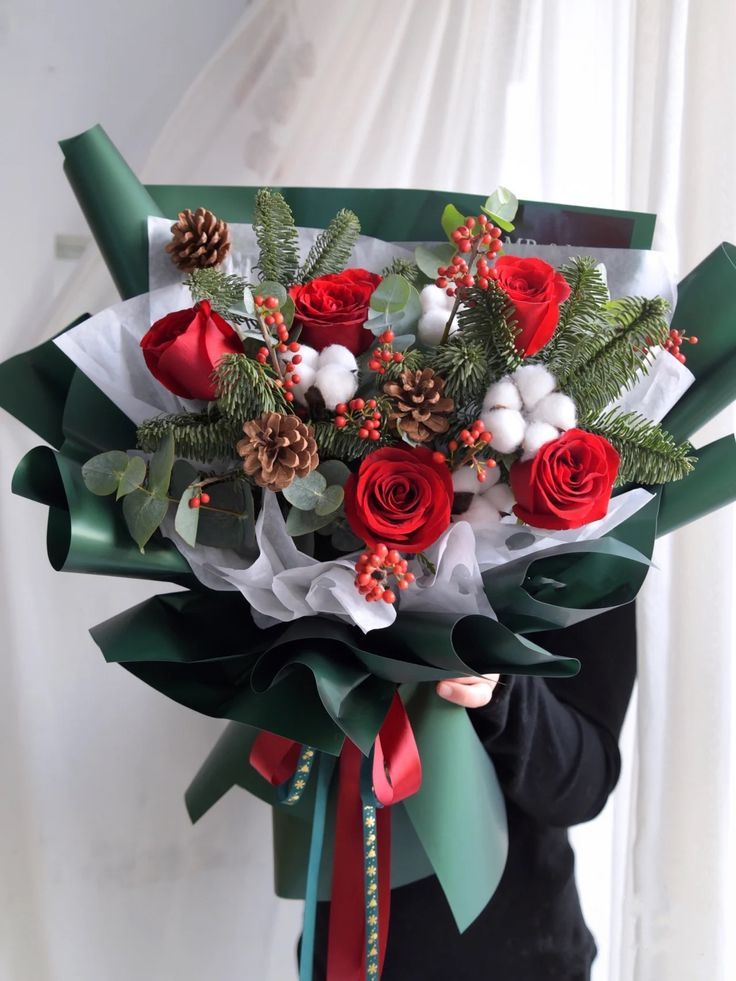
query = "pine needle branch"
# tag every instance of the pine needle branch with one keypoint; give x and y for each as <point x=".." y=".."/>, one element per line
<point x="203" y="436"/>
<point x="341" y="444"/>
<point x="588" y="291"/>
<point x="486" y="317"/>
<point x="276" y="234"/>
<point x="222" y="291"/>
<point x="606" y="359"/>
<point x="413" y="361"/>
<point x="403" y="267"/>
<point x="246" y="389"/>
<point x="332" y="250"/>
<point x="649" y="454"/>
<point x="463" y="364"/>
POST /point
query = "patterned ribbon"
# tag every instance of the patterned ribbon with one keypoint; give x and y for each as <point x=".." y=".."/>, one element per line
<point x="362" y="859"/>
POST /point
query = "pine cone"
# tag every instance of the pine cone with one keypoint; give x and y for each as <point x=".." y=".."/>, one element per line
<point x="419" y="406"/>
<point x="276" y="449"/>
<point x="199" y="239"/>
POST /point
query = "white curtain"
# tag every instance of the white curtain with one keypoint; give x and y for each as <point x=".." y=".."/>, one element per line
<point x="606" y="102"/>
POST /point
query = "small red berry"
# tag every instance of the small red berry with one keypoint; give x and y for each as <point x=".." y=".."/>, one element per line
<point x="375" y="435"/>
<point x="389" y="596"/>
<point x="258" y="300"/>
<point x="271" y="302"/>
<point x="357" y="404"/>
<point x="204" y="497"/>
<point x="438" y="457"/>
<point x="363" y="433"/>
<point x="194" y="502"/>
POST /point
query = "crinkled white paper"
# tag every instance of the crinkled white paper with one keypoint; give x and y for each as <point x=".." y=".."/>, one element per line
<point x="659" y="389"/>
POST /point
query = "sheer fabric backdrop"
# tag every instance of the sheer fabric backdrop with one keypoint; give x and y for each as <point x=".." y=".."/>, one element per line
<point x="619" y="104"/>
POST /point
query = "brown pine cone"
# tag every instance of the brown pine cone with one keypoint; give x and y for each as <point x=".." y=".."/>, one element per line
<point x="199" y="239"/>
<point x="418" y="404"/>
<point x="276" y="449"/>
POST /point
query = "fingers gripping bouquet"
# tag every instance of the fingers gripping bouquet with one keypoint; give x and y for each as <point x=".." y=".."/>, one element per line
<point x="373" y="465"/>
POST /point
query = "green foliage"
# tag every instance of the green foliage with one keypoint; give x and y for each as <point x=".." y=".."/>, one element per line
<point x="403" y="267"/>
<point x="649" y="454"/>
<point x="414" y="359"/>
<point x="332" y="250"/>
<point x="276" y="234"/>
<point x="315" y="500"/>
<point x="343" y="444"/>
<point x="604" y="361"/>
<point x="395" y="304"/>
<point x="451" y="220"/>
<point x="133" y="476"/>
<point x="246" y="389"/>
<point x="205" y="436"/>
<point x="501" y="208"/>
<point x="103" y="473"/>
<point x="144" y="511"/>
<point x="486" y="317"/>
<point x="224" y="292"/>
<point x="463" y="363"/>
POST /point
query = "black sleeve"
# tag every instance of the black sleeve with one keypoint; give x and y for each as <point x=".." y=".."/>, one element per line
<point x="555" y="742"/>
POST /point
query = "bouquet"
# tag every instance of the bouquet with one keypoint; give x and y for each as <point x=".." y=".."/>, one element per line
<point x="375" y="457"/>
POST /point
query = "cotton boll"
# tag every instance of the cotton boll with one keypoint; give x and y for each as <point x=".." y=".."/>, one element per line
<point x="306" y="380"/>
<point x="501" y="497"/>
<point x="502" y="394"/>
<point x="310" y="357"/>
<point x="536" y="435"/>
<point x="481" y="513"/>
<point x="534" y="381"/>
<point x="337" y="354"/>
<point x="434" y="298"/>
<point x="336" y="384"/>
<point x="507" y="427"/>
<point x="465" y="481"/>
<point x="557" y="410"/>
<point x="431" y="326"/>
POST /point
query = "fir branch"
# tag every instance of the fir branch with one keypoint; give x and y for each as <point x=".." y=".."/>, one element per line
<point x="276" y="234"/>
<point x="413" y="361"/>
<point x="649" y="454"/>
<point x="463" y="364"/>
<point x="332" y="250"/>
<point x="221" y="290"/>
<point x="486" y="317"/>
<point x="606" y="360"/>
<point x="202" y="436"/>
<point x="588" y="291"/>
<point x="403" y="267"/>
<point x="246" y="389"/>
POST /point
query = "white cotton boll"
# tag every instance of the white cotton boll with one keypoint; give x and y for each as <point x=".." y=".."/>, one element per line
<point x="501" y="497"/>
<point x="534" y="381"/>
<point x="465" y="481"/>
<point x="507" y="428"/>
<point x="556" y="409"/>
<point x="310" y="357"/>
<point x="481" y="514"/>
<point x="306" y="380"/>
<point x="337" y="354"/>
<point x="431" y="326"/>
<point x="502" y="394"/>
<point x="536" y="435"/>
<point x="434" y="298"/>
<point x="336" y="384"/>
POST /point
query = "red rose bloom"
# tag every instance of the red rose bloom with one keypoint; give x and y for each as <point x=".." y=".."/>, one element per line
<point x="399" y="496"/>
<point x="536" y="291"/>
<point x="183" y="348"/>
<point x="567" y="484"/>
<point x="333" y="309"/>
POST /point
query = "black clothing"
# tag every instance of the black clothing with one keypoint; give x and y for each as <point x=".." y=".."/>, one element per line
<point x="554" y="745"/>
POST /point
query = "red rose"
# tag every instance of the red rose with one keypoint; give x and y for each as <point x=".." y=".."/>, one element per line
<point x="333" y="309"/>
<point x="183" y="348"/>
<point x="401" y="497"/>
<point x="536" y="291"/>
<point x="567" y="484"/>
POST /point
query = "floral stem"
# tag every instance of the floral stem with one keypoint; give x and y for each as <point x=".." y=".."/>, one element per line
<point x="271" y="349"/>
<point x="473" y="256"/>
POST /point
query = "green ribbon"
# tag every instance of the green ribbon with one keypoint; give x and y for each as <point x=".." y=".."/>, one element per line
<point x="325" y="769"/>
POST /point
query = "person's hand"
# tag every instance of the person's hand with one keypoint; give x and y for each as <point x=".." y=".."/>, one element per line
<point x="468" y="692"/>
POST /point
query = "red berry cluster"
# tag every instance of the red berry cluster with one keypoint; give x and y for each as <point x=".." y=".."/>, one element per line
<point x="483" y="244"/>
<point x="675" y="339"/>
<point x="374" y="571"/>
<point x="201" y="498"/>
<point x="475" y="439"/>
<point x="270" y="316"/>
<point x="364" y="416"/>
<point x="383" y="355"/>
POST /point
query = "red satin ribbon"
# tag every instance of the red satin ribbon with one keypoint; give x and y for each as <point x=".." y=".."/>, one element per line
<point x="397" y="774"/>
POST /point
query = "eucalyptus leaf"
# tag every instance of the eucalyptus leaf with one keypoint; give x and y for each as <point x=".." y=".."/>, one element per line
<point x="428" y="259"/>
<point x="400" y="320"/>
<point x="186" y="520"/>
<point x="248" y="303"/>
<point x="451" y="220"/>
<point x="330" y="500"/>
<point x="288" y="310"/>
<point x="305" y="492"/>
<point x="135" y="474"/>
<point x="501" y="207"/>
<point x="228" y="521"/>
<point x="143" y="513"/>
<point x="303" y="522"/>
<point x="334" y="471"/>
<point x="391" y="295"/>
<point x="160" y="467"/>
<point x="271" y="288"/>
<point x="102" y="473"/>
